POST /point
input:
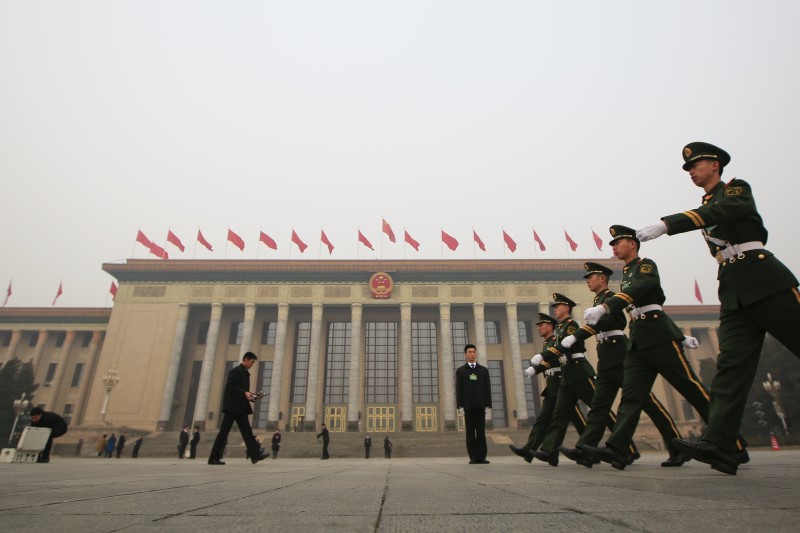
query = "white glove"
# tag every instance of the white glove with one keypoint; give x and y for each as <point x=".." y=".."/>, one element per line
<point x="530" y="372"/>
<point x="653" y="231"/>
<point x="563" y="359"/>
<point x="537" y="359"/>
<point x="569" y="341"/>
<point x="592" y="315"/>
<point x="461" y="411"/>
<point x="691" y="343"/>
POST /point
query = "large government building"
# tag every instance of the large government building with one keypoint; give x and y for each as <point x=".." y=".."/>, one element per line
<point x="361" y="345"/>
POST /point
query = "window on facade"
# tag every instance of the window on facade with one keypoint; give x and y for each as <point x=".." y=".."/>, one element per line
<point x="235" y="336"/>
<point x="499" y="417"/>
<point x="268" y="333"/>
<point x="525" y="336"/>
<point x="302" y="341"/>
<point x="6" y="338"/>
<point x="337" y="363"/>
<point x="460" y="339"/>
<point x="492" y="332"/>
<point x="34" y="339"/>
<point x="60" y="336"/>
<point x="51" y="372"/>
<point x="425" y="363"/>
<point x="264" y="385"/>
<point x="68" y="410"/>
<point x="202" y="332"/>
<point x="87" y="339"/>
<point x="380" y="363"/>
<point x="77" y="375"/>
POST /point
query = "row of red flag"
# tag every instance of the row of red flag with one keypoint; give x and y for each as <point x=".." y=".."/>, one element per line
<point x="450" y="241"/>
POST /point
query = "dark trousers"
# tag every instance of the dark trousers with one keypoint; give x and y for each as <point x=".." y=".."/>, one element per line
<point x="387" y="453"/>
<point x="192" y="451"/>
<point x="366" y="453"/>
<point x="475" y="423"/>
<point x="119" y="451"/>
<point x="135" y="453"/>
<point x="741" y="336"/>
<point x="325" y="449"/>
<point x="181" y="450"/>
<point x="609" y="382"/>
<point x="225" y="428"/>
<point x="545" y="416"/>
<point x="275" y="448"/>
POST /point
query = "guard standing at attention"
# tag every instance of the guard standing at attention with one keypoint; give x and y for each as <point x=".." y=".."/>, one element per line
<point x="754" y="289"/>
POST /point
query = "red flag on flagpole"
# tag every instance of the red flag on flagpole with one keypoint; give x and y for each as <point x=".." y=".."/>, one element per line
<point x="478" y="241"/>
<point x="267" y="240"/>
<point x="512" y="245"/>
<point x="410" y="240"/>
<point x="158" y="251"/>
<point x="113" y="290"/>
<point x="8" y="294"/>
<point x="235" y="239"/>
<point x="363" y="240"/>
<point x="202" y="240"/>
<point x="538" y="241"/>
<point x="143" y="240"/>
<point x="172" y="238"/>
<point x="597" y="241"/>
<point x="300" y="244"/>
<point x="326" y="242"/>
<point x="697" y="292"/>
<point x="387" y="229"/>
<point x="60" y="291"/>
<point x="572" y="244"/>
<point x="449" y="240"/>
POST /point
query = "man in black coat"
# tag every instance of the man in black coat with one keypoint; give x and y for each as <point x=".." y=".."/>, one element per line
<point x="183" y="442"/>
<point x="44" y="419"/>
<point x="326" y="439"/>
<point x="473" y="397"/>
<point x="194" y="442"/>
<point x="120" y="444"/>
<point x="236" y="408"/>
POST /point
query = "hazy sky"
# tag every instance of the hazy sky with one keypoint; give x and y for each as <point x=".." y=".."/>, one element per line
<point x="119" y="116"/>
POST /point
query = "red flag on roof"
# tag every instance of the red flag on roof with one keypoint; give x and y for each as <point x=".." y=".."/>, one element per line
<point x="572" y="244"/>
<point x="410" y="240"/>
<point x="235" y="239"/>
<point x="300" y="244"/>
<point x="697" y="292"/>
<point x="172" y="238"/>
<point x="8" y="294"/>
<point x="326" y="242"/>
<point x="202" y="240"/>
<point x="158" y="251"/>
<point x="478" y="240"/>
<point x="538" y="241"/>
<point x="267" y="240"/>
<point x="363" y="240"/>
<point x="449" y="240"/>
<point x="113" y="290"/>
<point x="387" y="229"/>
<point x="143" y="240"/>
<point x="59" y="293"/>
<point x="512" y="245"/>
<point x="597" y="241"/>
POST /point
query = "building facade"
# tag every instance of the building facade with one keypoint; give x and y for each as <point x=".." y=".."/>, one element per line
<point x="361" y="345"/>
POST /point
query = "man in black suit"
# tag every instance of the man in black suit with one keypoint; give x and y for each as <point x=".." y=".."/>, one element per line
<point x="326" y="439"/>
<point x="194" y="442"/>
<point x="473" y="397"/>
<point x="236" y="408"/>
<point x="45" y="419"/>
<point x="183" y="442"/>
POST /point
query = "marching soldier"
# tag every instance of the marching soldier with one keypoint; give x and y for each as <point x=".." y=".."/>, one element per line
<point x="546" y="362"/>
<point x="655" y="346"/>
<point x="754" y="288"/>
<point x="611" y="350"/>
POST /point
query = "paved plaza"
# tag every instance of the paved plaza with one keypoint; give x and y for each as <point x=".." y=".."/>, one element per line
<point x="434" y="494"/>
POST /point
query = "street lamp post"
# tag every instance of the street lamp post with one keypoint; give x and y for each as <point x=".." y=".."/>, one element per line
<point x="20" y="406"/>
<point x="773" y="388"/>
<point x="110" y="381"/>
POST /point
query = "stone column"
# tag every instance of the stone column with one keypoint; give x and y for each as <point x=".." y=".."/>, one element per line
<point x="207" y="370"/>
<point x="63" y="358"/>
<point x="714" y="337"/>
<point x="480" y="334"/>
<point x="86" y="386"/>
<point x="273" y="412"/>
<point x="174" y="366"/>
<point x="447" y="379"/>
<point x="404" y="371"/>
<point x="37" y="354"/>
<point x="354" y="379"/>
<point x="247" y="329"/>
<point x="314" y="367"/>
<point x="13" y="344"/>
<point x="518" y="379"/>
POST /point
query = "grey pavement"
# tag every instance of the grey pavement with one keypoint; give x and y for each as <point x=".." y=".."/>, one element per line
<point x="419" y="494"/>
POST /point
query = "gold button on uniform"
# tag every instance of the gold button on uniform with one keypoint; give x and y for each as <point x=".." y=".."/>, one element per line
<point x="761" y="256"/>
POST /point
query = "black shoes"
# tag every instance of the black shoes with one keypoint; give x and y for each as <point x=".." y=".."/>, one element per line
<point x="215" y="462"/>
<point x="478" y="462"/>
<point x="259" y="458"/>
<point x="709" y="453"/>
<point x="577" y="455"/>
<point x="676" y="459"/>
<point x="743" y="457"/>
<point x="546" y="457"/>
<point x="525" y="454"/>
<point x="606" y="454"/>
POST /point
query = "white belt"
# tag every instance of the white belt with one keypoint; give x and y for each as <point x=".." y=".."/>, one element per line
<point x="550" y="372"/>
<point x="603" y="336"/>
<point x="732" y="252"/>
<point x="577" y="356"/>
<point x="638" y="312"/>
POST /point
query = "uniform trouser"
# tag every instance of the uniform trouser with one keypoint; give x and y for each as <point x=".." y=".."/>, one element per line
<point x="543" y="419"/>
<point x="475" y="425"/>
<point x="366" y="453"/>
<point x="568" y="396"/>
<point x="325" y="449"/>
<point x="609" y="382"/>
<point x="192" y="451"/>
<point x="253" y="449"/>
<point x="741" y="336"/>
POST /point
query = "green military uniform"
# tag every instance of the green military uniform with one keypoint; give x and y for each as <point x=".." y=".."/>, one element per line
<point x="757" y="293"/>
<point x="552" y="371"/>
<point x="611" y="351"/>
<point x="654" y="347"/>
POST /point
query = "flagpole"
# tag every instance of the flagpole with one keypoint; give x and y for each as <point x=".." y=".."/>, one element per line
<point x="225" y="252"/>
<point x="382" y="234"/>
<point x="565" y="241"/>
<point x="194" y="252"/>
<point x="133" y="249"/>
<point x="258" y="243"/>
<point x="474" y="252"/>
<point x="535" y="245"/>
<point x="358" y="243"/>
<point x="319" y="246"/>
<point x="290" y="243"/>
<point x="441" y="242"/>
<point x="404" y="242"/>
<point x="505" y="244"/>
